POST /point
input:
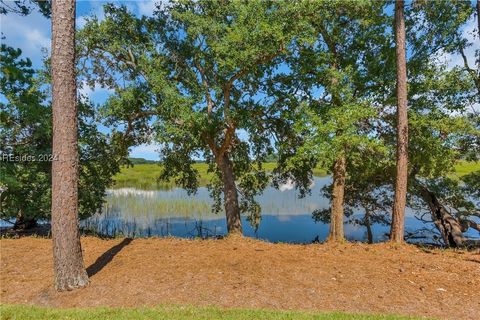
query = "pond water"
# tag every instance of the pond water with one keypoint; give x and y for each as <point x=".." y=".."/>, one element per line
<point x="285" y="217"/>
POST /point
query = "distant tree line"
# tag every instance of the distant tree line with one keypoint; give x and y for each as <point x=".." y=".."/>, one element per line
<point x="141" y="161"/>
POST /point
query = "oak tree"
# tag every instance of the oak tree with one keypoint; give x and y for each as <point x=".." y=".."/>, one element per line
<point x="334" y="75"/>
<point x="192" y="78"/>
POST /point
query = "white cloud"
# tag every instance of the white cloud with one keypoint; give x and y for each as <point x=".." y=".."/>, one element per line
<point x="147" y="151"/>
<point x="37" y="39"/>
<point x="29" y="33"/>
<point x="96" y="9"/>
<point x="144" y="7"/>
<point x="81" y="21"/>
<point x="470" y="33"/>
<point x="90" y="92"/>
<point x="147" y="8"/>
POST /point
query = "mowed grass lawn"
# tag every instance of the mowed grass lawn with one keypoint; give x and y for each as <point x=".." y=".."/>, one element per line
<point x="20" y="312"/>
<point x="145" y="176"/>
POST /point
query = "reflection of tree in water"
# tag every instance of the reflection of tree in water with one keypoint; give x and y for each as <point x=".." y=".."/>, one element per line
<point x="451" y="200"/>
<point x="374" y="201"/>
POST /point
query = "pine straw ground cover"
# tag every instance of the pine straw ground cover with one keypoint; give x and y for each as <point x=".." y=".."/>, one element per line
<point x="248" y="274"/>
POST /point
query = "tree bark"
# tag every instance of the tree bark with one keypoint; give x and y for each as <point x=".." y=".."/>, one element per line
<point x="449" y="227"/>
<point x="478" y="16"/>
<point x="230" y="194"/>
<point x="338" y="196"/>
<point x="22" y="223"/>
<point x="340" y="166"/>
<point x="69" y="270"/>
<point x="368" y="225"/>
<point x="398" y="215"/>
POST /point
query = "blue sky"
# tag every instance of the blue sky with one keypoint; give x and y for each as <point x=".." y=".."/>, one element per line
<point x="32" y="34"/>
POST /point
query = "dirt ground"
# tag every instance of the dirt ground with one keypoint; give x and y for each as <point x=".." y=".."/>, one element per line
<point x="350" y="277"/>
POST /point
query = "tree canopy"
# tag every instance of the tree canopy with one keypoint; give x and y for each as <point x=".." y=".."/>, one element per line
<point x="194" y="78"/>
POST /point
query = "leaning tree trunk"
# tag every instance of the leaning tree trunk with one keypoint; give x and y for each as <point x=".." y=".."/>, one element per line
<point x="368" y="225"/>
<point x="232" y="209"/>
<point x="23" y="223"/>
<point x="398" y="215"/>
<point x="449" y="227"/>
<point x="69" y="270"/>
<point x="477" y="77"/>
<point x="338" y="196"/>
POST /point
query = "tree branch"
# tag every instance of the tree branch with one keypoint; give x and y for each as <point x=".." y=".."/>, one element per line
<point x="230" y="130"/>
<point x="206" y="86"/>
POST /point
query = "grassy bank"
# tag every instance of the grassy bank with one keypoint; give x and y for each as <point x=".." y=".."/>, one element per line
<point x="464" y="167"/>
<point x="145" y="176"/>
<point x="19" y="312"/>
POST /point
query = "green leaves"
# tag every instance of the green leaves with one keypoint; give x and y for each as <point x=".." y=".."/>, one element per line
<point x="26" y="130"/>
<point x="199" y="69"/>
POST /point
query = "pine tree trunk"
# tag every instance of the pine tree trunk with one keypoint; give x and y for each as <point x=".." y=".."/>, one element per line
<point x="232" y="209"/>
<point x="478" y="16"/>
<point x="69" y="270"/>
<point x="338" y="196"/>
<point x="398" y="215"/>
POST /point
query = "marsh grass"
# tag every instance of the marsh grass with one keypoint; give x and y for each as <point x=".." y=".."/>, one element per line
<point x="159" y="207"/>
<point x="463" y="168"/>
<point x="131" y="213"/>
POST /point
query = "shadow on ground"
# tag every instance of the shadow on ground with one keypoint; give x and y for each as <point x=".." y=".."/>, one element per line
<point x="107" y="257"/>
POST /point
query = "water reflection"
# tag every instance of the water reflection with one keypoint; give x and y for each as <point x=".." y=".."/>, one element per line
<point x="285" y="217"/>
